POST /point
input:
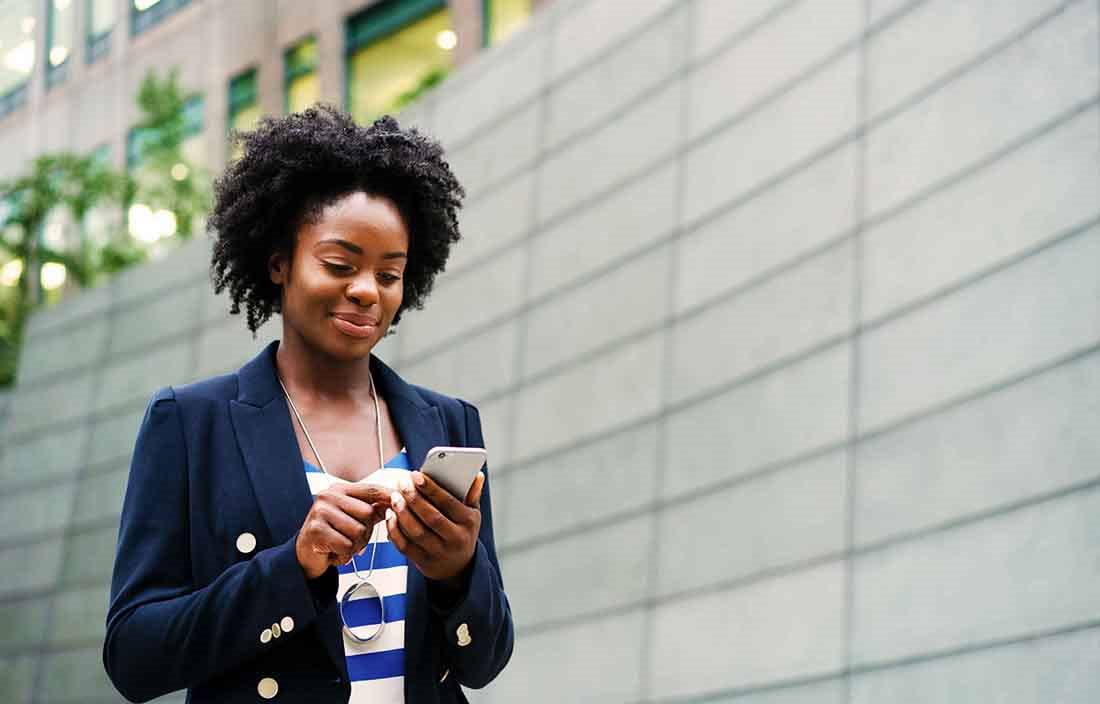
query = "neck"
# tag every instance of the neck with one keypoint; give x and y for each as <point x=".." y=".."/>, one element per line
<point x="314" y="376"/>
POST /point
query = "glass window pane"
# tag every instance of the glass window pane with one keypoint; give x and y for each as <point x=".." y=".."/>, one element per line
<point x="395" y="69"/>
<point x="100" y="23"/>
<point x="17" y="45"/>
<point x="505" y="17"/>
<point x="147" y="13"/>
<point x="60" y="32"/>
<point x="300" y="82"/>
<point x="302" y="92"/>
<point x="101" y="16"/>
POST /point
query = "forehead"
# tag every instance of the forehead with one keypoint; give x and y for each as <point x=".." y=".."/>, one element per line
<point x="372" y="222"/>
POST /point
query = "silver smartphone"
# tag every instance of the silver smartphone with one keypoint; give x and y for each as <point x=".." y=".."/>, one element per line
<point x="454" y="468"/>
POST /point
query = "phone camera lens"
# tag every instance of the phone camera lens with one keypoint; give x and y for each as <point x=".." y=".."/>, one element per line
<point x="441" y="455"/>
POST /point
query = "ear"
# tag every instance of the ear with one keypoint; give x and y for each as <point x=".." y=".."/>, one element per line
<point x="278" y="268"/>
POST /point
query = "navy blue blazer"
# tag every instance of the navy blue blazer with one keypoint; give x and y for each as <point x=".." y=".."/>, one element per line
<point x="217" y="459"/>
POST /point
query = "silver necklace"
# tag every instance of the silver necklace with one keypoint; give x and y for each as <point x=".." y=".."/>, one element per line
<point x="363" y="584"/>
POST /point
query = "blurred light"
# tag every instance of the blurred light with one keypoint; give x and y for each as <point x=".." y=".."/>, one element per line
<point x="145" y="4"/>
<point x="180" y="171"/>
<point x="140" y="223"/>
<point x="58" y="54"/>
<point x="28" y="25"/>
<point x="148" y="225"/>
<point x="446" y="39"/>
<point x="21" y="57"/>
<point x="55" y="234"/>
<point x="165" y="221"/>
<point x="10" y="272"/>
<point x="61" y="5"/>
<point x="53" y="275"/>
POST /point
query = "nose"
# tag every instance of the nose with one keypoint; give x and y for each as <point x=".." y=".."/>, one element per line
<point x="363" y="290"/>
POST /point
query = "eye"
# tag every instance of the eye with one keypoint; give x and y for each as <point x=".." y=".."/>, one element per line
<point x="390" y="278"/>
<point x="338" y="268"/>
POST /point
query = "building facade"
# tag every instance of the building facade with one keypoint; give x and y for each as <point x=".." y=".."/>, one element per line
<point x="783" y="319"/>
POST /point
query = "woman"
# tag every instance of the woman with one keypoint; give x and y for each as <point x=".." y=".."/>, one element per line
<point x="249" y="493"/>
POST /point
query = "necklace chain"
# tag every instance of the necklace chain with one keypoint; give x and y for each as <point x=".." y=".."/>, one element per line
<point x="321" y="464"/>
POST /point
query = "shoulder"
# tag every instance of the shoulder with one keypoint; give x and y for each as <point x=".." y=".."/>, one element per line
<point x="457" y="412"/>
<point x="203" y="393"/>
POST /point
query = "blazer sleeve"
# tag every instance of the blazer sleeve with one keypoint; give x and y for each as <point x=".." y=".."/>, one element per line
<point x="163" y="634"/>
<point x="478" y="634"/>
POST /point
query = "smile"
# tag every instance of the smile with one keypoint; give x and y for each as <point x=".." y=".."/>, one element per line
<point x="353" y="329"/>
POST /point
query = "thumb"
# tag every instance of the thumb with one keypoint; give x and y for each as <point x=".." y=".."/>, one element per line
<point x="473" y="496"/>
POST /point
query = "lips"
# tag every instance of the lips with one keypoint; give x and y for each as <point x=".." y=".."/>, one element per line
<point x="355" y="324"/>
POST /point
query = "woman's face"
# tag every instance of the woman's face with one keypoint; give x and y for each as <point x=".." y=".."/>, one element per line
<point x="344" y="284"/>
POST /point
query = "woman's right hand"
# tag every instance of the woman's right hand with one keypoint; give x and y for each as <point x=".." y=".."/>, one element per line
<point x="339" y="524"/>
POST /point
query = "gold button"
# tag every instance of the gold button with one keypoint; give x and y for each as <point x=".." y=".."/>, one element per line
<point x="275" y="630"/>
<point x="287" y="623"/>
<point x="265" y="635"/>
<point x="268" y="688"/>
<point x="463" y="634"/>
<point x="246" y="543"/>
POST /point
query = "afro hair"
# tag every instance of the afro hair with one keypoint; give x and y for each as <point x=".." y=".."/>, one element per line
<point x="292" y="167"/>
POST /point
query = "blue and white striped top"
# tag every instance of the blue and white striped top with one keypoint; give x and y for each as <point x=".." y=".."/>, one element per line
<point x="377" y="668"/>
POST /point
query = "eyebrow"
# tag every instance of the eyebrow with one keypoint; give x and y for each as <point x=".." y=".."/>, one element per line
<point x="356" y="249"/>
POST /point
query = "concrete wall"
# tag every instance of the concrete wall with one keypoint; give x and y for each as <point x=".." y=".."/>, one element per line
<point x="784" y="322"/>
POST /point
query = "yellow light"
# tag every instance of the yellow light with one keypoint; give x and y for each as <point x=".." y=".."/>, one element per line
<point x="180" y="171"/>
<point x="20" y="58"/>
<point x="27" y="25"/>
<point x="145" y="4"/>
<point x="165" y="222"/>
<point x="58" y="54"/>
<point x="140" y="223"/>
<point x="53" y="275"/>
<point x="10" y="272"/>
<point x="446" y="39"/>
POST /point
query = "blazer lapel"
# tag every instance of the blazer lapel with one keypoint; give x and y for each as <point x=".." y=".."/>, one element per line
<point x="261" y="418"/>
<point x="269" y="446"/>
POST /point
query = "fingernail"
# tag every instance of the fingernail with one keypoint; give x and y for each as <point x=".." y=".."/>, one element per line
<point x="418" y="478"/>
<point x="405" y="484"/>
<point x="390" y="514"/>
<point x="396" y="500"/>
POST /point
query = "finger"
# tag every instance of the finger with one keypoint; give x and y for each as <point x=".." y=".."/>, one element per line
<point x="432" y="517"/>
<point x="326" y="540"/>
<point x="413" y="528"/>
<point x="403" y="544"/>
<point x="473" y="496"/>
<point x="359" y="510"/>
<point x="369" y="493"/>
<point x="442" y="499"/>
<point x="356" y="531"/>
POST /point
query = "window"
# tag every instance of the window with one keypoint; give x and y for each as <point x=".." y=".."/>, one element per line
<point x="147" y="13"/>
<point x="59" y="40"/>
<point x="502" y="18"/>
<point x="100" y="15"/>
<point x="244" y="109"/>
<point x="396" y="50"/>
<point x="300" y="85"/>
<point x="17" y="52"/>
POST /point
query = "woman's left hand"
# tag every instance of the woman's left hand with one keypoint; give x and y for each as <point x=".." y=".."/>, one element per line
<point x="432" y="528"/>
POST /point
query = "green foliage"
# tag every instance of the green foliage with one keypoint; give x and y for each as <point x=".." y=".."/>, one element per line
<point x="163" y="130"/>
<point x="77" y="185"/>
